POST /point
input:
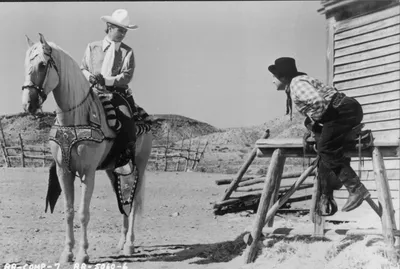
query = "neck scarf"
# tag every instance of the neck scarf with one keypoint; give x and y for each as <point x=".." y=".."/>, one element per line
<point x="106" y="68"/>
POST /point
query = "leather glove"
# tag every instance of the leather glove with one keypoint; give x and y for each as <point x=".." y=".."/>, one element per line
<point x="100" y="79"/>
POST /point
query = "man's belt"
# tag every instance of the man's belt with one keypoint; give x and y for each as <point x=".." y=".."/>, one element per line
<point x="119" y="90"/>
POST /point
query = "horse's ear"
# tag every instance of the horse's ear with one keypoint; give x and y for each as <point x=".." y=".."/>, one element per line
<point x="30" y="43"/>
<point x="46" y="46"/>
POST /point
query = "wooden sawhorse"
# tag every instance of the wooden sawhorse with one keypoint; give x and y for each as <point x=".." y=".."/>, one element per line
<point x="279" y="150"/>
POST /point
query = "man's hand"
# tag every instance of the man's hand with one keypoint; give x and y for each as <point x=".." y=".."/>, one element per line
<point x="100" y="79"/>
<point x="92" y="80"/>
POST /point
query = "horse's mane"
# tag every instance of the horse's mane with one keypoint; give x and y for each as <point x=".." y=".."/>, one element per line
<point x="68" y="68"/>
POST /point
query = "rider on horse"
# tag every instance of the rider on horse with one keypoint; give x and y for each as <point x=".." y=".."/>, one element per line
<point x="109" y="65"/>
<point x="331" y="115"/>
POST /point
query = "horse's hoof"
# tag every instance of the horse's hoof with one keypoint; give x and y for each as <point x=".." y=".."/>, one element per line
<point x="129" y="249"/>
<point x="82" y="258"/>
<point x="66" y="257"/>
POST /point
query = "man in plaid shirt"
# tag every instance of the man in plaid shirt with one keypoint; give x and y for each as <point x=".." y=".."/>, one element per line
<point x="330" y="115"/>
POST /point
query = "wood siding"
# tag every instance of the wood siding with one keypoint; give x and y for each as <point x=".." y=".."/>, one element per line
<point x="366" y="66"/>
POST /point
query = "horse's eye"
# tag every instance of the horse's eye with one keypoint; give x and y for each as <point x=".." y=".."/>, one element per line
<point x="41" y="66"/>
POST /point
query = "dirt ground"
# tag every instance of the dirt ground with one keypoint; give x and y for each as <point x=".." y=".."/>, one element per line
<point x="177" y="229"/>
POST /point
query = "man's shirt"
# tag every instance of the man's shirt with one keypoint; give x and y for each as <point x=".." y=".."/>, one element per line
<point x="311" y="96"/>
<point x="123" y="67"/>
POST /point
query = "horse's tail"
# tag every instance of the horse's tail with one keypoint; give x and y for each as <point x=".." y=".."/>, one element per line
<point x="53" y="189"/>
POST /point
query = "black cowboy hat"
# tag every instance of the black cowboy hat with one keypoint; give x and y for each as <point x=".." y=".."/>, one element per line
<point x="284" y="67"/>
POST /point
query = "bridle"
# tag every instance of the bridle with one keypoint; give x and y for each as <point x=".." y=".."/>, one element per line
<point x="39" y="88"/>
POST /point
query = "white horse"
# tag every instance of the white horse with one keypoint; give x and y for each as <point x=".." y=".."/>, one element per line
<point x="78" y="147"/>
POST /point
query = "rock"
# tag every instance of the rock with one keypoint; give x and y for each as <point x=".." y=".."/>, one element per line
<point x="269" y="242"/>
<point x="175" y="214"/>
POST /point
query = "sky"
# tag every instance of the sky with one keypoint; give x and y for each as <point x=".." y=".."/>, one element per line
<point x="203" y="60"/>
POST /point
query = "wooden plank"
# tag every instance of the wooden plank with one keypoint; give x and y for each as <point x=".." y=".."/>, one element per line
<point x="391" y="164"/>
<point x="297" y="142"/>
<point x="366" y="55"/>
<point x="343" y="194"/>
<point x="376" y="107"/>
<point x="368" y="28"/>
<point x="369" y="90"/>
<point x="392" y="76"/>
<point x="368" y="174"/>
<point x="330" y="29"/>
<point x="385" y="115"/>
<point x="385" y="199"/>
<point x="298" y="152"/>
<point x="393" y="124"/>
<point x="373" y="71"/>
<point x="274" y="173"/>
<point x="391" y="40"/>
<point x="243" y="170"/>
<point x="379" y="97"/>
<point x="394" y="185"/>
<point x="388" y="135"/>
<point x="352" y="23"/>
<point x="381" y="60"/>
<point x="390" y="31"/>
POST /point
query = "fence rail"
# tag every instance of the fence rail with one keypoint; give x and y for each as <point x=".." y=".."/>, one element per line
<point x="164" y="157"/>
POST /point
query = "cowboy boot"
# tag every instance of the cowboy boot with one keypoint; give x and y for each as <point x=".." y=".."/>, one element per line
<point x="357" y="191"/>
<point x="327" y="179"/>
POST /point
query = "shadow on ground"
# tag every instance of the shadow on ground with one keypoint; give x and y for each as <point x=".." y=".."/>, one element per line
<point x="197" y="253"/>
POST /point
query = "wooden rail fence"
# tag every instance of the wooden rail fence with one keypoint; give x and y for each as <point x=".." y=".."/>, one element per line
<point x="165" y="157"/>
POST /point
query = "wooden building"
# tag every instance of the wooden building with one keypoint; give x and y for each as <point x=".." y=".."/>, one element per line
<point x="363" y="61"/>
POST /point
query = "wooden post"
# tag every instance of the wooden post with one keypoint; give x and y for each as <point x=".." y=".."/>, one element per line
<point x="201" y="155"/>
<point x="179" y="159"/>
<point x="316" y="218"/>
<point x="44" y="154"/>
<point x="5" y="154"/>
<point x="275" y="170"/>
<point x="385" y="199"/>
<point x="22" y="151"/>
<point x="262" y="215"/>
<point x="196" y="155"/>
<point x="243" y="170"/>
<point x="188" y="153"/>
<point x="166" y="152"/>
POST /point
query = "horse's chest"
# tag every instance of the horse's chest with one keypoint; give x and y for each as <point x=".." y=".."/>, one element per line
<point x="67" y="136"/>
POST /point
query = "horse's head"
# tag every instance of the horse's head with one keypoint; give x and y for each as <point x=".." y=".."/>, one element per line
<point x="41" y="75"/>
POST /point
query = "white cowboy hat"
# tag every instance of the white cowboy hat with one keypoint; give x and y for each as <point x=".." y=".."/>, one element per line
<point x="120" y="18"/>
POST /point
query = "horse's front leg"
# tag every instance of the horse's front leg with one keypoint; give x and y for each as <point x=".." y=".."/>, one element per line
<point x="84" y="215"/>
<point x="67" y="186"/>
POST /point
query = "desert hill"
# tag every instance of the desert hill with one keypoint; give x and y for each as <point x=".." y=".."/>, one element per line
<point x="226" y="151"/>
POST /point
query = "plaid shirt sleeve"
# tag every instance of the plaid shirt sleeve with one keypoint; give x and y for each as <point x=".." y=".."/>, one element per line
<point x="307" y="99"/>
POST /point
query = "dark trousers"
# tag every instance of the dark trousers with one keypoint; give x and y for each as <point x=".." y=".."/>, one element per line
<point x="337" y="123"/>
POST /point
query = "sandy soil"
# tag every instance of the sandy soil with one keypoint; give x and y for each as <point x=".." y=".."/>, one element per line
<point x="177" y="229"/>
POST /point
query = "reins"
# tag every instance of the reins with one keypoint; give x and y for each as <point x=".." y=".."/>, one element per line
<point x="80" y="104"/>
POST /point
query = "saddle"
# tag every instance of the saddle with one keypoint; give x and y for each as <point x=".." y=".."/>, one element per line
<point x="356" y="139"/>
